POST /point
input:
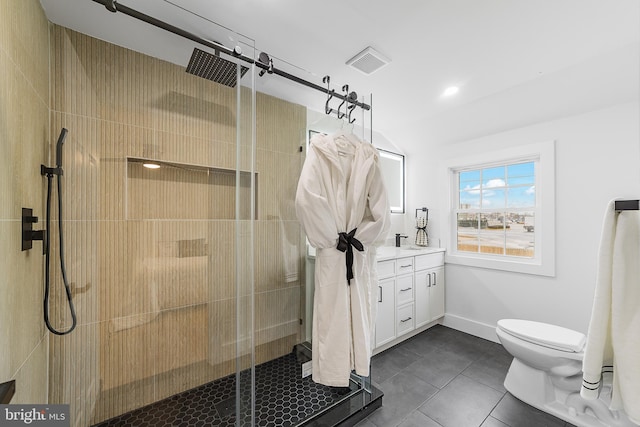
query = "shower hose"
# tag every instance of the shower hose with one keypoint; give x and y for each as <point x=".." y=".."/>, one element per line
<point x="47" y="249"/>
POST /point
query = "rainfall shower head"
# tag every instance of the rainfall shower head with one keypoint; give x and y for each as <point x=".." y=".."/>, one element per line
<point x="213" y="67"/>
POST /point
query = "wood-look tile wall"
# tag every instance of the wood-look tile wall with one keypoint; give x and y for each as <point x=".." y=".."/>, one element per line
<point x="24" y="138"/>
<point x="152" y="253"/>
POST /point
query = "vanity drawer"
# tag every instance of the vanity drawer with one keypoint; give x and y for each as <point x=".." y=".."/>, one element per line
<point x="386" y="268"/>
<point x="405" y="321"/>
<point x="404" y="265"/>
<point x="423" y="262"/>
<point x="404" y="290"/>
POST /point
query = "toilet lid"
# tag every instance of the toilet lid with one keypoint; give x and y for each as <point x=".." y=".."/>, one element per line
<point x="552" y="336"/>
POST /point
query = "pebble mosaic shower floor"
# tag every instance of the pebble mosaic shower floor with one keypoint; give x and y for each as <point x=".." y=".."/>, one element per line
<point x="282" y="399"/>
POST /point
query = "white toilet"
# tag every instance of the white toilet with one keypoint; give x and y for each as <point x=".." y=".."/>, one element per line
<point x="546" y="373"/>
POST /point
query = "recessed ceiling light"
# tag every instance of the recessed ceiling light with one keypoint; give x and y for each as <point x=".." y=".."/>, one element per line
<point x="451" y="90"/>
<point x="151" y="165"/>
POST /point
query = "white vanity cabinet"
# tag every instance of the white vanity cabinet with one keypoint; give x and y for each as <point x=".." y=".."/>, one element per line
<point x="405" y="296"/>
<point x="436" y="294"/>
<point x="410" y="294"/>
<point x="429" y="284"/>
<point x="386" y="317"/>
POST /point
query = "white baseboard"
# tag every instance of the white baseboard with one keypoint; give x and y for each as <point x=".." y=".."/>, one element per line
<point x="473" y="327"/>
<point x="404" y="337"/>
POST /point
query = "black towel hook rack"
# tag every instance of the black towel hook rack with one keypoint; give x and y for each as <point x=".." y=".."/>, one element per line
<point x="348" y="98"/>
<point x="345" y="89"/>
<point x="327" y="109"/>
<point x="351" y="99"/>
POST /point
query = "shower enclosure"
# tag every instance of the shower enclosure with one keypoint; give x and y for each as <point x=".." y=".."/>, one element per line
<point x="186" y="261"/>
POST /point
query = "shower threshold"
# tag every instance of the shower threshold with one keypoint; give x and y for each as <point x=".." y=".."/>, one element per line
<point x="283" y="398"/>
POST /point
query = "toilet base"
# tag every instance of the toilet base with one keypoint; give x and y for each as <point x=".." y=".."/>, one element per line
<point x="536" y="388"/>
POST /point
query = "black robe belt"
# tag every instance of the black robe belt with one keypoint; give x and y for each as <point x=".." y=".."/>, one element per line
<point x="345" y="242"/>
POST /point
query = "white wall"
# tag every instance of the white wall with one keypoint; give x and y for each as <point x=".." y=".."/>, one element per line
<point x="597" y="159"/>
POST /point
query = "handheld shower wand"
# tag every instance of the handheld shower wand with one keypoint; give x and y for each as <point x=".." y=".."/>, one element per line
<point x="50" y="173"/>
<point x="61" y="138"/>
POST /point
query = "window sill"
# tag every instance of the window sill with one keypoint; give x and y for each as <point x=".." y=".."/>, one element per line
<point x="503" y="264"/>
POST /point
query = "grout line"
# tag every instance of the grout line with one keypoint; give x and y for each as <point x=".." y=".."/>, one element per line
<point x="494" y="407"/>
<point x="24" y="76"/>
<point x="24" y="362"/>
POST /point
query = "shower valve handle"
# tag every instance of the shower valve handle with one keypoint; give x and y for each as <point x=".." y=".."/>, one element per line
<point x="28" y="233"/>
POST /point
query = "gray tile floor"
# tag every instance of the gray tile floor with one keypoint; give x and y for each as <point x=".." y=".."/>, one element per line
<point x="443" y="377"/>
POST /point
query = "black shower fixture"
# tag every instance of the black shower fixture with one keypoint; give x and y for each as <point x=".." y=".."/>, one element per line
<point x="46" y="171"/>
<point x="215" y="68"/>
<point x="45" y="235"/>
<point x="28" y="219"/>
<point x="208" y="58"/>
<point x="28" y="233"/>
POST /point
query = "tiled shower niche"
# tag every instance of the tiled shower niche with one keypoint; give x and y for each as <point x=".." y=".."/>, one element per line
<point x="185" y="191"/>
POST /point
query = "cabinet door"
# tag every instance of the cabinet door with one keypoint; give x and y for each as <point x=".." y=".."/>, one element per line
<point x="436" y="293"/>
<point x="422" y="283"/>
<point x="386" y="317"/>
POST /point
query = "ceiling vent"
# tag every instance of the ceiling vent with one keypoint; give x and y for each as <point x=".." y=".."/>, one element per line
<point x="368" y="61"/>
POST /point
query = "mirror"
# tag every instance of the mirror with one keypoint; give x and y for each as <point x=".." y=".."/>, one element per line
<point x="392" y="168"/>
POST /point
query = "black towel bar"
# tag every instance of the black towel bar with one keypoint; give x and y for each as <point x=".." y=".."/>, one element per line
<point x="627" y="205"/>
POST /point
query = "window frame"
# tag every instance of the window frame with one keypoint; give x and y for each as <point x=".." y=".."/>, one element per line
<point x="543" y="262"/>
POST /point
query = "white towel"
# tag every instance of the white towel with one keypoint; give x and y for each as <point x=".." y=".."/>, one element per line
<point x="613" y="340"/>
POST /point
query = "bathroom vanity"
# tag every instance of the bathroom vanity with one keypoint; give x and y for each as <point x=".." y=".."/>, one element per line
<point x="410" y="293"/>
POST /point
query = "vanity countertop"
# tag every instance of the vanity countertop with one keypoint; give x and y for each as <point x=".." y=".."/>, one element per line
<point x="391" y="252"/>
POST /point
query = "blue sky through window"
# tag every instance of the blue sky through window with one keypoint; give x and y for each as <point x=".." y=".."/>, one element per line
<point x="510" y="186"/>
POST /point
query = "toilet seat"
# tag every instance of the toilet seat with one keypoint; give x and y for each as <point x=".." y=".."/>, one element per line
<point x="552" y="336"/>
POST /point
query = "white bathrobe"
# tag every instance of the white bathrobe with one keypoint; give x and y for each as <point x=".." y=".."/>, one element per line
<point x="613" y="340"/>
<point x="341" y="189"/>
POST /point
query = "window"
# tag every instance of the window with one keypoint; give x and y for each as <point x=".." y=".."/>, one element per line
<point x="496" y="210"/>
<point x="502" y="206"/>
